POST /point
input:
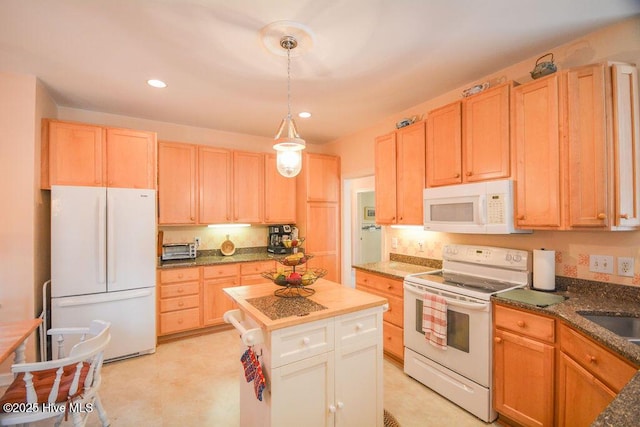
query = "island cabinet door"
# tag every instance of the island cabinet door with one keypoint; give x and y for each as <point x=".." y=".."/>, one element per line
<point x="302" y="393"/>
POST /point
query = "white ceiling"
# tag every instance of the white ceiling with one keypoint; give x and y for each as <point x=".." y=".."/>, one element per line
<point x="370" y="58"/>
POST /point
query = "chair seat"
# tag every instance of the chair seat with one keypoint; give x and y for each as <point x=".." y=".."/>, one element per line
<point x="43" y="382"/>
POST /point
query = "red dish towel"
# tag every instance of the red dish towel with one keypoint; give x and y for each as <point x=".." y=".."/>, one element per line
<point x="434" y="320"/>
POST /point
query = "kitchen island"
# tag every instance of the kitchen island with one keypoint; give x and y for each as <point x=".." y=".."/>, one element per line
<point x="321" y="356"/>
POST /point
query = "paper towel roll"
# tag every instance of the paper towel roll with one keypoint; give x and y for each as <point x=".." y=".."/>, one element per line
<point x="544" y="269"/>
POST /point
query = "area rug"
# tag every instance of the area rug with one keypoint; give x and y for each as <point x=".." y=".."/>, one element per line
<point x="390" y="420"/>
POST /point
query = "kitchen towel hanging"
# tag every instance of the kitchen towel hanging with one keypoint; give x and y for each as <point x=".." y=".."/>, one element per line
<point x="434" y="320"/>
<point x="544" y="270"/>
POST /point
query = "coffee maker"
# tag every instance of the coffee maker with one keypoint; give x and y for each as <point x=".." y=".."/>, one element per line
<point x="278" y="233"/>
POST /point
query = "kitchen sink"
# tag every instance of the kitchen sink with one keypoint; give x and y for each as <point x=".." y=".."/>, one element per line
<point x="626" y="326"/>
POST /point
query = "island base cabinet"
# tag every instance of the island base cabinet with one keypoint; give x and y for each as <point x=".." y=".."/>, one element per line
<point x="581" y="396"/>
<point x="323" y="373"/>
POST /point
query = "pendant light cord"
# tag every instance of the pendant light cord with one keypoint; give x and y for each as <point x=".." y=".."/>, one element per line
<point x="289" y="81"/>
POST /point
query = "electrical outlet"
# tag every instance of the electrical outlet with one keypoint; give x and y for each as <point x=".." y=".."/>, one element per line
<point x="197" y="241"/>
<point x="420" y="246"/>
<point x="625" y="266"/>
<point x="601" y="264"/>
<point x="394" y="243"/>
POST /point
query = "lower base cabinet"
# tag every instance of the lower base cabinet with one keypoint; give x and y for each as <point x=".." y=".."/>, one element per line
<point x="587" y="379"/>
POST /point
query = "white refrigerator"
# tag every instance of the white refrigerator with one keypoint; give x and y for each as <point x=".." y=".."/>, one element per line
<point x="103" y="262"/>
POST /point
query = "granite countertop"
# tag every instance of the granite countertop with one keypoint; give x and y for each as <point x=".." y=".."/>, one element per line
<point x="212" y="257"/>
<point x="400" y="266"/>
<point x="332" y="298"/>
<point x="600" y="298"/>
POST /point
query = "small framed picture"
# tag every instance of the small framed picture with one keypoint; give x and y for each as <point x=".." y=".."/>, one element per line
<point x="369" y="213"/>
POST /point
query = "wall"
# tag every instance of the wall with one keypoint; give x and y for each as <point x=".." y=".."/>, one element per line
<point x="619" y="42"/>
<point x="24" y="218"/>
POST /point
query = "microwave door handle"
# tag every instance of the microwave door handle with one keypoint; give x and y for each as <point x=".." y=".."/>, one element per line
<point x="482" y="209"/>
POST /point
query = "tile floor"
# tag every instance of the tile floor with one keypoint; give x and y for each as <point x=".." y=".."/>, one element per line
<point x="195" y="382"/>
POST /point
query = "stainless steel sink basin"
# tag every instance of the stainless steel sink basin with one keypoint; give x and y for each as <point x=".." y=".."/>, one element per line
<point x="626" y="326"/>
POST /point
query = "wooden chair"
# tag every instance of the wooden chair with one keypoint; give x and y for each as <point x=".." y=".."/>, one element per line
<point x="66" y="387"/>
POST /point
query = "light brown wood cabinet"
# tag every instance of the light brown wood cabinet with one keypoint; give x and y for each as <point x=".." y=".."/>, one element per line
<point x="586" y="378"/>
<point x="523" y="378"/>
<point x="215" y="192"/>
<point x="279" y="194"/>
<point x="248" y="187"/>
<point x="177" y="183"/>
<point x="318" y="211"/>
<point x="178" y="300"/>
<point x="469" y="140"/>
<point x="87" y="155"/>
<point x="393" y="318"/>
<point x="192" y="298"/>
<point x="215" y="302"/>
<point x="577" y="159"/>
<point x="589" y="378"/>
<point x="400" y="175"/>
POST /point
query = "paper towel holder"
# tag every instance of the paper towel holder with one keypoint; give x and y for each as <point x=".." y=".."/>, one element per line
<point x="544" y="270"/>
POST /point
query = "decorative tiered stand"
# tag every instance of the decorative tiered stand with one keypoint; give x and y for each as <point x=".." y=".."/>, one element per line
<point x="293" y="283"/>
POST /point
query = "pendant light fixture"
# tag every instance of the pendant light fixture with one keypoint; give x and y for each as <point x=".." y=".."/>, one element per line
<point x="288" y="144"/>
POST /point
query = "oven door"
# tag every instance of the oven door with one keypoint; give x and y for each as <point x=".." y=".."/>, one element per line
<point x="468" y="332"/>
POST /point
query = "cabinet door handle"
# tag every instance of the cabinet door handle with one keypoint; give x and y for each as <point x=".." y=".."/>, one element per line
<point x="181" y="303"/>
<point x="601" y="216"/>
<point x="520" y="217"/>
<point x="520" y="323"/>
<point x="498" y="340"/>
<point x="306" y="340"/>
<point x="469" y="173"/>
<point x="340" y="405"/>
<point x="624" y="216"/>
<point x="358" y="326"/>
<point x="332" y="409"/>
<point x="591" y="359"/>
<point x="457" y="175"/>
<point x="180" y="290"/>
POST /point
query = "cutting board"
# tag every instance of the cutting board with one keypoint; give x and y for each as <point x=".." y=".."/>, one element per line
<point x="531" y="297"/>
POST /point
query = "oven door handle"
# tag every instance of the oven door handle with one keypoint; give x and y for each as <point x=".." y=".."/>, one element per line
<point x="477" y="306"/>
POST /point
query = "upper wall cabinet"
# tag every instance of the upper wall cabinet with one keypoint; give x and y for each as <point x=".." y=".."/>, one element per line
<point x="576" y="136"/>
<point x="468" y="140"/>
<point x="248" y="187"/>
<point x="280" y="194"/>
<point x="177" y="183"/>
<point x="87" y="155"/>
<point x="399" y="175"/>
<point x="215" y="192"/>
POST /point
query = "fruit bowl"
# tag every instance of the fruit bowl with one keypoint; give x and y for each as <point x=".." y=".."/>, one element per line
<point x="293" y="278"/>
<point x="292" y="260"/>
<point x="295" y="243"/>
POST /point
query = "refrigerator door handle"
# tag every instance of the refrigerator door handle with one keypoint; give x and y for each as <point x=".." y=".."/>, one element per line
<point x="100" y="241"/>
<point x="111" y="244"/>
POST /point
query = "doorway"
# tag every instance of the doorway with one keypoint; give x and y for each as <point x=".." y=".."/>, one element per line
<point x="358" y="194"/>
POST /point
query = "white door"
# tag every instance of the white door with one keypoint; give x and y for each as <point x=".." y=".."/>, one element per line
<point x="78" y="240"/>
<point x="131" y="242"/>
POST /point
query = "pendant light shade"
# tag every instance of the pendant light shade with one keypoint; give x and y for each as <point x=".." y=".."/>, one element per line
<point x="288" y="144"/>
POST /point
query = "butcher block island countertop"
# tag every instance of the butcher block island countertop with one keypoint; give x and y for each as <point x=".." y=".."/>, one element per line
<point x="337" y="299"/>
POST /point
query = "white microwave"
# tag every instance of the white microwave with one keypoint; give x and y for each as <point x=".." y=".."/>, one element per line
<point x="479" y="207"/>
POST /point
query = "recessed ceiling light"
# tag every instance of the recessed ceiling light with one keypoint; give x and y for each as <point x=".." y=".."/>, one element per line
<point x="156" y="83"/>
<point x="304" y="114"/>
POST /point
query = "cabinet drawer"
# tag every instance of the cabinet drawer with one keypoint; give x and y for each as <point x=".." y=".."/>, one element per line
<point x="359" y="327"/>
<point x="179" y="275"/>
<point x="381" y="283"/>
<point x="299" y="342"/>
<point x="256" y="267"/>
<point x="525" y="323"/>
<point x="179" y="289"/>
<point x="180" y="320"/>
<point x="393" y="340"/>
<point x="395" y="314"/>
<point x="612" y="370"/>
<point x="214" y="271"/>
<point x="179" y="303"/>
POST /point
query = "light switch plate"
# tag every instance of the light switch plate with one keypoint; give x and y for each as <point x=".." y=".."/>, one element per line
<point x="601" y="264"/>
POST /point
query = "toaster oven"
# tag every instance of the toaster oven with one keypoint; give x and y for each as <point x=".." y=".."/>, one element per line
<point x="178" y="251"/>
